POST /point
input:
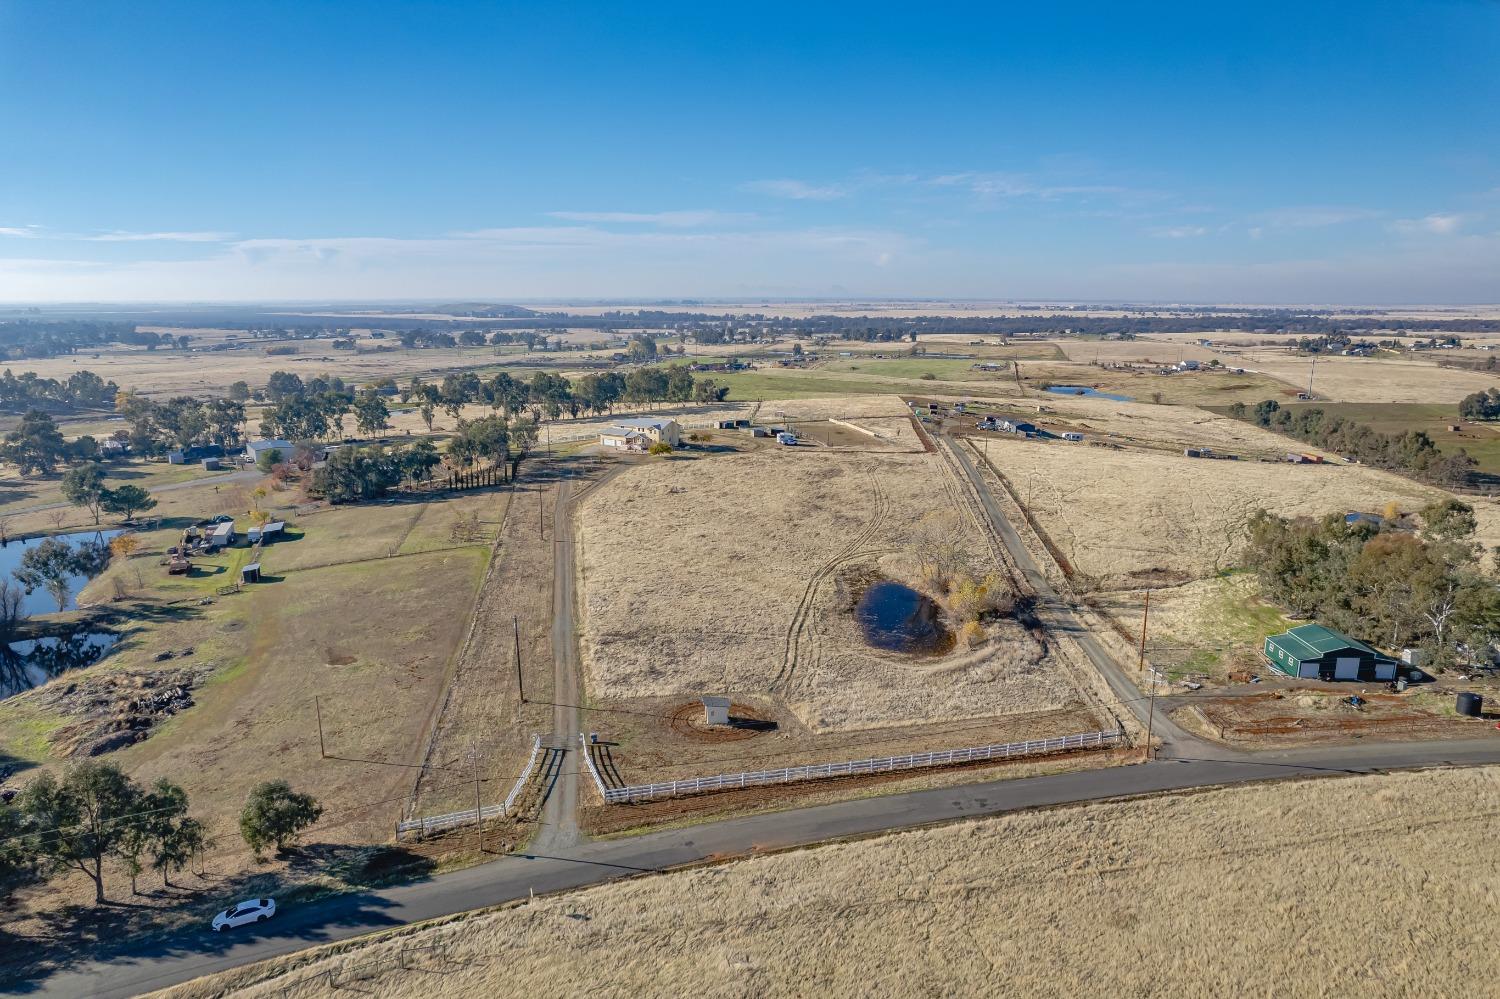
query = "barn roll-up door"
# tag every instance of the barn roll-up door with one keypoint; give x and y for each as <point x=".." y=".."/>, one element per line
<point x="1346" y="668"/>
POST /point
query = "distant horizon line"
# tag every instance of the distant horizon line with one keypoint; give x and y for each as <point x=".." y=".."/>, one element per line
<point x="690" y="300"/>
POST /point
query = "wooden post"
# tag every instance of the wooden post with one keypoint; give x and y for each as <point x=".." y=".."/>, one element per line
<point x="1141" y="664"/>
<point x="478" y="811"/>
<point x="322" y="751"/>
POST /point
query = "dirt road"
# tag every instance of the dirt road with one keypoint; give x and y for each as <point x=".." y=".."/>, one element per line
<point x="1060" y="617"/>
<point x="559" y="829"/>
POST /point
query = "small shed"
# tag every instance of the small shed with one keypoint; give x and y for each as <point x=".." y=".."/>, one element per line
<point x="222" y="535"/>
<point x="211" y="464"/>
<point x="1314" y="652"/>
<point x="176" y="458"/>
<point x="250" y="573"/>
<point x="760" y="431"/>
<point x="716" y="710"/>
<point x="266" y="531"/>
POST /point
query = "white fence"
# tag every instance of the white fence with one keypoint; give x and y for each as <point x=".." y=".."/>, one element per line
<point x="853" y="768"/>
<point x="437" y="823"/>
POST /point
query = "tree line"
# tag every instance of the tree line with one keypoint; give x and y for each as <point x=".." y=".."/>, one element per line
<point x="1481" y="405"/>
<point x="316" y="409"/>
<point x="82" y="389"/>
<point x="94" y="820"/>
<point x="548" y="395"/>
<point x="181" y="422"/>
<point x="21" y="338"/>
<point x="1411" y="453"/>
<point x="1393" y="586"/>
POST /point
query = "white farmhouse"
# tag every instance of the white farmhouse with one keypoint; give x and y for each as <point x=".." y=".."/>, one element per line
<point x="639" y="434"/>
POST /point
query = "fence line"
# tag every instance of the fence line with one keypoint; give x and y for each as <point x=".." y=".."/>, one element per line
<point x="510" y="799"/>
<point x="437" y="823"/>
<point x="852" y="768"/>
<point x="588" y="758"/>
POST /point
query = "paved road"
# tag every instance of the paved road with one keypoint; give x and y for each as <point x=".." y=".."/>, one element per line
<point x="560" y="860"/>
<point x="156" y="965"/>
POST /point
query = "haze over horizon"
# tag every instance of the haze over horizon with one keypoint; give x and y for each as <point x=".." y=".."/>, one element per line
<point x="171" y="152"/>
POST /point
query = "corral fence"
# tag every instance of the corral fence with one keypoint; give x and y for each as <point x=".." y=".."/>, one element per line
<point x="427" y="824"/>
<point x="851" y="768"/>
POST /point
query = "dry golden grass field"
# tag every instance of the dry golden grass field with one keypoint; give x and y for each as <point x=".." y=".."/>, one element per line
<point x="1356" y="886"/>
<point x="176" y="372"/>
<point x="724" y="575"/>
<point x="1112" y="513"/>
<point x="1357" y="379"/>
<point x="336" y="618"/>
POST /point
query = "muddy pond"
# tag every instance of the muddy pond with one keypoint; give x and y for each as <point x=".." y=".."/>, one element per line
<point x="34" y="661"/>
<point x="897" y="618"/>
<point x="39" y="601"/>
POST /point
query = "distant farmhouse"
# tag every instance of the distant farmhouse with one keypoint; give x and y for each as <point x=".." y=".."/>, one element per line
<point x="639" y="434"/>
<point x="254" y="449"/>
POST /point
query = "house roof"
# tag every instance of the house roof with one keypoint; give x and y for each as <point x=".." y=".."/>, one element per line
<point x="1313" y="641"/>
<point x="265" y="444"/>
<point x="640" y="423"/>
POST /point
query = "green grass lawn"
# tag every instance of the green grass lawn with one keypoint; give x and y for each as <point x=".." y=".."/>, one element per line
<point x="1480" y="440"/>
<point x="749" y="385"/>
<point x="942" y="368"/>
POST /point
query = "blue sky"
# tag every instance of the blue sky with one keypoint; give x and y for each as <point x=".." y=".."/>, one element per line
<point x="1275" y="152"/>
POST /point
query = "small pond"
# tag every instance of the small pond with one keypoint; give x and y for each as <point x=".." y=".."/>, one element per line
<point x="899" y="619"/>
<point x="1085" y="390"/>
<point x="33" y="662"/>
<point x="40" y="601"/>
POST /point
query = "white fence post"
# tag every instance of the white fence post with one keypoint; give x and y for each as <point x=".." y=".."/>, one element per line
<point x="814" y="771"/>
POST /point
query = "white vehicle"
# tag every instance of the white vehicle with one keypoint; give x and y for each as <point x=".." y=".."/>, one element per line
<point x="252" y="910"/>
<point x="1072" y="436"/>
<point x="788" y="439"/>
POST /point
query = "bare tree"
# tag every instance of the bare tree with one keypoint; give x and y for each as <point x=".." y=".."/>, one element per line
<point x="12" y="610"/>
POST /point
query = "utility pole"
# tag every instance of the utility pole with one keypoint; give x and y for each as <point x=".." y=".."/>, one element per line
<point x="1311" y="369"/>
<point x="1145" y="615"/>
<point x="520" y="684"/>
<point x="478" y="812"/>
<point x="1151" y="703"/>
<point x="322" y="751"/>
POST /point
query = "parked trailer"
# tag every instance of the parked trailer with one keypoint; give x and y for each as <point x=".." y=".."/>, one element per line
<point x="1072" y="436"/>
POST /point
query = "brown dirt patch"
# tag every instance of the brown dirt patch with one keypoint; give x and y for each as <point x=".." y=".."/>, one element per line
<point x="745" y="722"/>
<point x="1295" y="717"/>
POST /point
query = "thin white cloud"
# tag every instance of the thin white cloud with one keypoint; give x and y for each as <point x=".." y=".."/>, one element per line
<point x="796" y="190"/>
<point x="1436" y="224"/>
<point x="21" y="231"/>
<point x="671" y="220"/>
<point x="159" y="237"/>
<point x="1179" y="231"/>
<point x="997" y="187"/>
<point x="1313" y="216"/>
<point x="556" y="260"/>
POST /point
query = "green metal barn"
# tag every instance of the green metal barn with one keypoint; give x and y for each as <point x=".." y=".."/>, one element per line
<point x="1314" y="652"/>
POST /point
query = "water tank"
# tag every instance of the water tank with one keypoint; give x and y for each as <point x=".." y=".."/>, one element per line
<point x="1469" y="704"/>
